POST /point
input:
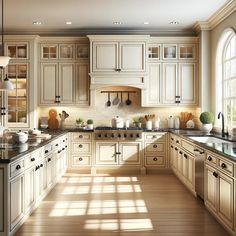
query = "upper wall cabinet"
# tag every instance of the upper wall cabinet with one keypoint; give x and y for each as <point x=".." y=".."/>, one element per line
<point x="117" y="54"/>
<point x="17" y="50"/>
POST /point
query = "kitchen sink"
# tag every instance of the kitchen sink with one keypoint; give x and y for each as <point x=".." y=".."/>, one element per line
<point x="208" y="139"/>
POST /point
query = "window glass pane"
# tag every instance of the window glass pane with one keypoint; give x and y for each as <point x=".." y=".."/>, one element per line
<point x="227" y="69"/>
<point x="232" y="47"/>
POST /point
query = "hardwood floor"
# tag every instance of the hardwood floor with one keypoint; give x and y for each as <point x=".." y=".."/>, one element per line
<point x="152" y="205"/>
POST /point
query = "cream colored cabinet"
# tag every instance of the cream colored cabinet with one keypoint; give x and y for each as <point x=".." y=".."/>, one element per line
<point x="57" y="83"/>
<point x="82" y="83"/>
<point x="114" y="56"/>
<point x="118" y="153"/>
<point x="17" y="200"/>
<point x="220" y="189"/>
<point x="50" y="170"/>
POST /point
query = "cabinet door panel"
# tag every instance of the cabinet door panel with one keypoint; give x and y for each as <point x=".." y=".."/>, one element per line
<point x="132" y="56"/>
<point x="106" y="153"/>
<point x="187" y="83"/>
<point x="153" y="95"/>
<point x="66" y="83"/>
<point x="130" y="153"/>
<point x="29" y="189"/>
<point x="169" y="84"/>
<point x="191" y="170"/>
<point x="48" y="83"/>
<point x="17" y="198"/>
<point x="105" y="56"/>
<point x="1" y="199"/>
<point x="226" y="195"/>
<point x="82" y="83"/>
<point x="210" y="188"/>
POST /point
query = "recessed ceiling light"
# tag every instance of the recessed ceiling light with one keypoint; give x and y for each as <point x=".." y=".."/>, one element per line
<point x="146" y="23"/>
<point x="174" y="23"/>
<point x="37" y="23"/>
<point x="69" y="23"/>
<point x="117" y="23"/>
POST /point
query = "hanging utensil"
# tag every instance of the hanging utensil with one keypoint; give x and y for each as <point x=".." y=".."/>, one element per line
<point x="121" y="100"/>
<point x="128" y="101"/>
<point x="116" y="100"/>
<point x="109" y="100"/>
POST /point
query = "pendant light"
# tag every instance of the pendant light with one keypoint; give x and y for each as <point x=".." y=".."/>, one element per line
<point x="5" y="84"/>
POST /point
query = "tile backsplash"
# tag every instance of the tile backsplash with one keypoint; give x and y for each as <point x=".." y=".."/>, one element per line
<point x="102" y="114"/>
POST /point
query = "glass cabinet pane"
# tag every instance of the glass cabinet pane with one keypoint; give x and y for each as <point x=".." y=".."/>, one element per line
<point x="66" y="51"/>
<point x="49" y="51"/>
<point x="18" y="51"/>
<point x="170" y="52"/>
<point x="82" y="51"/>
<point x="17" y="98"/>
<point x="186" y="51"/>
<point x="154" y="52"/>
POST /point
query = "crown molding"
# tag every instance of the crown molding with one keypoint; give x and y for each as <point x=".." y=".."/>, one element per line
<point x="216" y="18"/>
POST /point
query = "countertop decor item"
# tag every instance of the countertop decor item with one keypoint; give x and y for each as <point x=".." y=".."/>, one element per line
<point x="117" y="122"/>
<point x="137" y="121"/>
<point x="79" y="122"/>
<point x="53" y="123"/>
<point x="90" y="124"/>
<point x="207" y="119"/>
<point x="184" y="118"/>
<point x="63" y="115"/>
<point x="20" y="137"/>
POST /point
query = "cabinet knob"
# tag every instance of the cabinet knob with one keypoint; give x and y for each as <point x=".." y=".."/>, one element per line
<point x="118" y="153"/>
<point x="80" y="146"/>
<point x="18" y="167"/>
<point x="180" y="152"/>
<point x="185" y="155"/>
<point x="80" y="159"/>
<point x="59" y="151"/>
<point x="46" y="151"/>
<point x="177" y="141"/>
<point x="80" y="136"/>
<point x="215" y="174"/>
<point x="41" y="165"/>
<point x="49" y="159"/>
<point x="172" y="139"/>
<point x="154" y="146"/>
<point x="155" y="159"/>
<point x="176" y="149"/>
<point x="171" y="146"/>
<point x="57" y="145"/>
<point x="63" y="149"/>
<point x="209" y="158"/>
<point x="32" y="159"/>
<point x="223" y="165"/>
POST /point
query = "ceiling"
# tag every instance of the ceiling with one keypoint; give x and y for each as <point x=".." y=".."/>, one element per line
<point x="95" y="15"/>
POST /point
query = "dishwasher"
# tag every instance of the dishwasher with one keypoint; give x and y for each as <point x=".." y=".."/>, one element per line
<point x="199" y="171"/>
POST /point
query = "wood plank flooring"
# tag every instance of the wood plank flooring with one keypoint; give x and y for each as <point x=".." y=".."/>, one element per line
<point x="152" y="205"/>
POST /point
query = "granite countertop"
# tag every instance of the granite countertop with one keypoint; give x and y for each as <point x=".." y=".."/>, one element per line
<point x="227" y="148"/>
<point x="10" y="151"/>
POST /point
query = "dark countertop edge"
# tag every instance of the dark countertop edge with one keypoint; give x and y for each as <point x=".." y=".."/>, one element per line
<point x="212" y="149"/>
<point x="74" y="130"/>
<point x="55" y="135"/>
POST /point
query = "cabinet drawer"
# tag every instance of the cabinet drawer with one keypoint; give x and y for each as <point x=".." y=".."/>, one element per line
<point x="81" y="137"/>
<point x="47" y="149"/>
<point x="84" y="147"/>
<point x="17" y="168"/>
<point x="155" y="160"/>
<point x="211" y="159"/>
<point x="175" y="139"/>
<point x="189" y="147"/>
<point x="80" y="161"/>
<point x="226" y="167"/>
<point x="31" y="159"/>
<point x="154" y="147"/>
<point x="155" y="136"/>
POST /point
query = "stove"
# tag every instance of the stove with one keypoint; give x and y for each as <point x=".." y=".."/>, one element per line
<point x="110" y="133"/>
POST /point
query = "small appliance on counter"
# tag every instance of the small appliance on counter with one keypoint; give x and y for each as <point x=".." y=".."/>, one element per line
<point x="20" y="137"/>
<point x="117" y="122"/>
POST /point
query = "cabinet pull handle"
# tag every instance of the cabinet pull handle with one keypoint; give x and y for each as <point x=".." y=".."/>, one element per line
<point x="80" y="136"/>
<point x="46" y="151"/>
<point x="59" y="151"/>
<point x="185" y="155"/>
<point x="64" y="141"/>
<point x="180" y="152"/>
<point x="223" y="165"/>
<point x="177" y="141"/>
<point x="155" y="159"/>
<point x="80" y="159"/>
<point x="63" y="149"/>
<point x="41" y="165"/>
<point x="36" y="168"/>
<point x="154" y="146"/>
<point x="176" y="149"/>
<point x="215" y="174"/>
<point x="49" y="159"/>
<point x="80" y="146"/>
<point x="32" y="159"/>
<point x="118" y="153"/>
<point x="57" y="145"/>
<point x="209" y="158"/>
<point x="172" y="139"/>
<point x="171" y="146"/>
<point x="18" y="167"/>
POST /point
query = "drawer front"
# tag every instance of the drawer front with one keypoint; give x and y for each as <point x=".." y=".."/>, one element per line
<point x="226" y="167"/>
<point x="84" y="147"/>
<point x="17" y="168"/>
<point x="81" y="137"/>
<point x="155" y="160"/>
<point x="175" y="139"/>
<point x="81" y="161"/>
<point x="155" y="136"/>
<point x="211" y="160"/>
<point x="154" y="147"/>
<point x="189" y="147"/>
<point x="47" y="149"/>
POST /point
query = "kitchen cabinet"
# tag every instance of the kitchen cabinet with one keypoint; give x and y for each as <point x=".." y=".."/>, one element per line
<point x="17" y="200"/>
<point x="17" y="50"/>
<point x="50" y="170"/>
<point x="169" y="51"/>
<point x="219" y="190"/>
<point x="118" y="153"/>
<point x="57" y="83"/>
<point x="117" y="56"/>
<point x="154" y="52"/>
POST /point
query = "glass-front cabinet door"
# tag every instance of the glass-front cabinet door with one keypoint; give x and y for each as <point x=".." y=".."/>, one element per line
<point x="66" y="51"/>
<point x="49" y="51"/>
<point x="17" y="51"/>
<point x="187" y="51"/>
<point x="169" y="51"/>
<point x="153" y="52"/>
<point x="82" y="51"/>
<point x="18" y="97"/>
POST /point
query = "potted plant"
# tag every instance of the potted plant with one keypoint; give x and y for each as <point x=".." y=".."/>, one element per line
<point x="137" y="121"/>
<point x="207" y="119"/>
<point x="90" y="124"/>
<point x="79" y="122"/>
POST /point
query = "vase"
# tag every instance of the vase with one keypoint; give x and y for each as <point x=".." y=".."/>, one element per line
<point x="206" y="128"/>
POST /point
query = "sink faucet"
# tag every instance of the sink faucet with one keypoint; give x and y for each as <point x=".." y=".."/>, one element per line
<point x="223" y="125"/>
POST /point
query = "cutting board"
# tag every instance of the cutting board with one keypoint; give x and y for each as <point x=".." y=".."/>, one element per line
<point x="184" y="118"/>
<point x="53" y="123"/>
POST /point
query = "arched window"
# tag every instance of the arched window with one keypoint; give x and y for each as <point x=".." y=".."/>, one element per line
<point x="226" y="77"/>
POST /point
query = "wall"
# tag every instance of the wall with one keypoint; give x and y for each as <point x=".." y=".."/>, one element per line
<point x="102" y="115"/>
